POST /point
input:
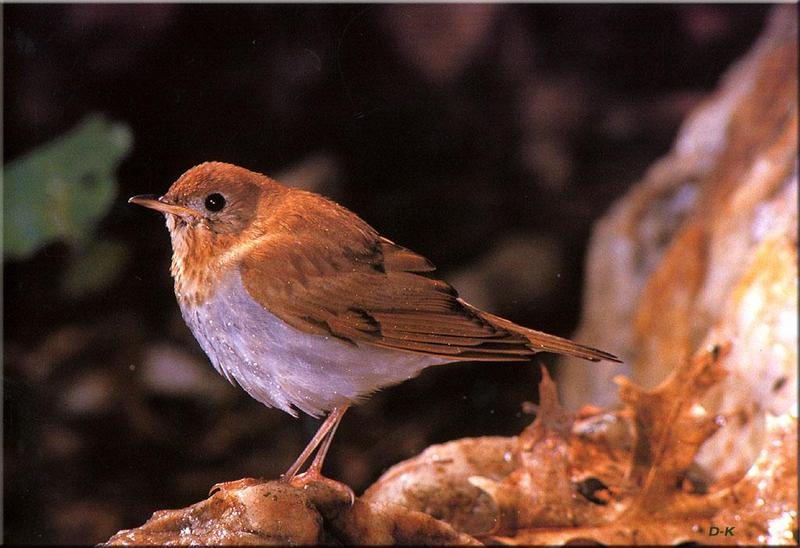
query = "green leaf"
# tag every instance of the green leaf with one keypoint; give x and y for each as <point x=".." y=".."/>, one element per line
<point x="61" y="190"/>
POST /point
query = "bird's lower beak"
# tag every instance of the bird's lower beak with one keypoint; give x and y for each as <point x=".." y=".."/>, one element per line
<point x="162" y="205"/>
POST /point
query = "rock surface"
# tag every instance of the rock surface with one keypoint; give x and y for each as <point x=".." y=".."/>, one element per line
<point x="670" y="260"/>
<point x="705" y="249"/>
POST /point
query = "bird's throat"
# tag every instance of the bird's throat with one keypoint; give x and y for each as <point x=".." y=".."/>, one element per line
<point x="192" y="264"/>
<point x="202" y="256"/>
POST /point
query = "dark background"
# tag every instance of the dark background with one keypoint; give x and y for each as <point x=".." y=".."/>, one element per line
<point x="487" y="138"/>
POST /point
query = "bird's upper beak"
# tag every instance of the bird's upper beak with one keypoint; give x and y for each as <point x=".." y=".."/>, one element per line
<point x="163" y="205"/>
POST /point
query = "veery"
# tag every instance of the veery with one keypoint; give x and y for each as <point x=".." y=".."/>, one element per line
<point x="307" y="307"/>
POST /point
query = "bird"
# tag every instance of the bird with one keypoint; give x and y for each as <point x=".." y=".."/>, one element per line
<point x="309" y="309"/>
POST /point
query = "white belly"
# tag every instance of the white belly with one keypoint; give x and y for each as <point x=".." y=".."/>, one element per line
<point x="283" y="367"/>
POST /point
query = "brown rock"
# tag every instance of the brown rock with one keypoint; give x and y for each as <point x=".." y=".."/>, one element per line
<point x="437" y="481"/>
<point x="669" y="260"/>
<point x="267" y="513"/>
<point x="251" y="511"/>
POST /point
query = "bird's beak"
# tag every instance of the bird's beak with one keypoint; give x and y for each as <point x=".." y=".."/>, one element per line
<point x="162" y="205"/>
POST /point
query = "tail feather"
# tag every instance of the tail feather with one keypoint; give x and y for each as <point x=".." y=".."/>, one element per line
<point x="543" y="342"/>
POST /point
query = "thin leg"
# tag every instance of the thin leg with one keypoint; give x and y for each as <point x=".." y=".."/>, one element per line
<point x="324" y="434"/>
<point x="321" y="439"/>
<point x="319" y="458"/>
<point x="313" y="475"/>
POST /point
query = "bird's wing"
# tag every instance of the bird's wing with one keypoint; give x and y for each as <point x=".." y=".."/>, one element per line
<point x="361" y="288"/>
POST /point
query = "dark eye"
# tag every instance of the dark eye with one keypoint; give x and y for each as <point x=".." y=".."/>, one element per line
<point x="215" y="202"/>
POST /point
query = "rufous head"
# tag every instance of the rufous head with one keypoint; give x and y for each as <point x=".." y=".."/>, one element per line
<point x="210" y="210"/>
<point x="219" y="197"/>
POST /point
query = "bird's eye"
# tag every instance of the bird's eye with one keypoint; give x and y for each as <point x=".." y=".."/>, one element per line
<point x="215" y="202"/>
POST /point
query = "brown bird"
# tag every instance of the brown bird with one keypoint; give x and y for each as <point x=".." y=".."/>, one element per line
<point x="307" y="307"/>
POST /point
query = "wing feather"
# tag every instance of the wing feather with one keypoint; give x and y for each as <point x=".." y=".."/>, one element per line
<point x="352" y="284"/>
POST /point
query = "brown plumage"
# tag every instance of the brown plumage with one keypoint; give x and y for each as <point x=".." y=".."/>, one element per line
<point x="351" y="283"/>
<point x="307" y="307"/>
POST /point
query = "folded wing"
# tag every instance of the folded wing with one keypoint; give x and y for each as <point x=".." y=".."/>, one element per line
<point x="364" y="289"/>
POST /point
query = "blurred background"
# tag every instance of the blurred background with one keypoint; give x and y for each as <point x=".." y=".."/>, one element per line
<point x="488" y="138"/>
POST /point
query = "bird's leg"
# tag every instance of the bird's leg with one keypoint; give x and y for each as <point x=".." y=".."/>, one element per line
<point x="324" y="433"/>
<point x="319" y="458"/>
<point x="321" y="439"/>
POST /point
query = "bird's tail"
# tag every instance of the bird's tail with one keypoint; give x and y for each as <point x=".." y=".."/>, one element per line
<point x="543" y="342"/>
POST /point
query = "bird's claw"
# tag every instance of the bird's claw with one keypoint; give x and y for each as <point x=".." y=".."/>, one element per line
<point x="236" y="484"/>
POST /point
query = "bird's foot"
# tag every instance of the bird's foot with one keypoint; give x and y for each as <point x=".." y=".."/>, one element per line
<point x="313" y="478"/>
<point x="236" y="484"/>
